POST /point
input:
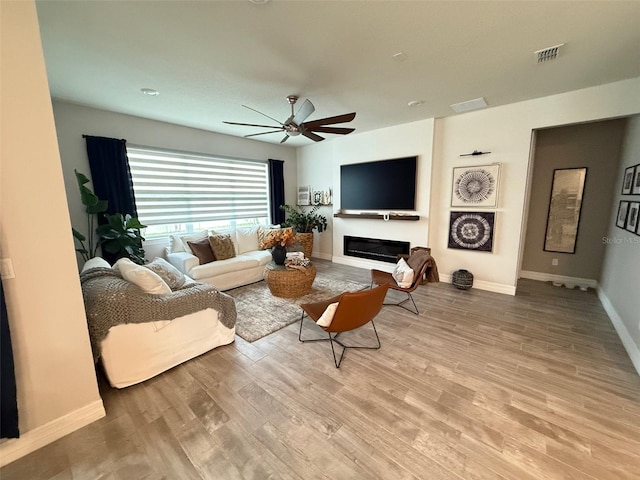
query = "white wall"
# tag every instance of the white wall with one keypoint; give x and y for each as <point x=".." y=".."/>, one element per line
<point x="620" y="278"/>
<point x="319" y="164"/>
<point x="56" y="382"/>
<point x="72" y="121"/>
<point x="507" y="132"/>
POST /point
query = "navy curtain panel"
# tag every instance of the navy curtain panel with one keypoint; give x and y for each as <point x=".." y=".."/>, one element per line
<point x="111" y="175"/>
<point x="276" y="190"/>
<point x="8" y="403"/>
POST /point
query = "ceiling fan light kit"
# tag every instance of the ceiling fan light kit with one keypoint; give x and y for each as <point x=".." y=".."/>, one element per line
<point x="295" y="125"/>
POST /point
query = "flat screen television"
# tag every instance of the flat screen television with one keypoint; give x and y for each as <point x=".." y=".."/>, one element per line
<point x="380" y="185"/>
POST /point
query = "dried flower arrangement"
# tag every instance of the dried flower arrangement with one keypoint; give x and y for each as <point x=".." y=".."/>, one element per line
<point x="284" y="238"/>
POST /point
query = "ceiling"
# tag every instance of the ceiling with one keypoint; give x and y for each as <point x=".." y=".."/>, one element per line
<point x="208" y="58"/>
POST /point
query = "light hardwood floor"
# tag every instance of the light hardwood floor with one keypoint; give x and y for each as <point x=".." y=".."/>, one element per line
<point x="478" y="386"/>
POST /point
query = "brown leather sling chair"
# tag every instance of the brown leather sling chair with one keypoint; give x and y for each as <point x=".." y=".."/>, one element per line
<point x="354" y="310"/>
<point x="420" y="262"/>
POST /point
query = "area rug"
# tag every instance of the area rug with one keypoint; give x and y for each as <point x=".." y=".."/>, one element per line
<point x="260" y="313"/>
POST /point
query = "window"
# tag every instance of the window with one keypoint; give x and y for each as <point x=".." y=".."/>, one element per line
<point x="179" y="191"/>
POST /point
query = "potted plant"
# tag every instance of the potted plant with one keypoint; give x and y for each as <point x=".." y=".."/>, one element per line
<point x="119" y="237"/>
<point x="304" y="222"/>
<point x="92" y="206"/>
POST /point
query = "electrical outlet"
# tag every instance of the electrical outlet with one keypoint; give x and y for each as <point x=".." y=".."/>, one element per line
<point x="554" y="262"/>
<point x="6" y="268"/>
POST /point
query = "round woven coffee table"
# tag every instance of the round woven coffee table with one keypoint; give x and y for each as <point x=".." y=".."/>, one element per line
<point x="289" y="282"/>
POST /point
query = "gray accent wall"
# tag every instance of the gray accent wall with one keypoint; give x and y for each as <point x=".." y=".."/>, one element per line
<point x="597" y="146"/>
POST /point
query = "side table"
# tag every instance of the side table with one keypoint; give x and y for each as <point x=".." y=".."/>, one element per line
<point x="289" y="282"/>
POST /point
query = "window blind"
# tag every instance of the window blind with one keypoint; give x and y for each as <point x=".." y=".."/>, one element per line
<point x="177" y="187"/>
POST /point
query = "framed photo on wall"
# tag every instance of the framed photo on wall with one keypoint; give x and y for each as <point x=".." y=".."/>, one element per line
<point x="565" y="206"/>
<point x="635" y="187"/>
<point x="472" y="231"/>
<point x="475" y="186"/>
<point x="632" y="217"/>
<point x="623" y="210"/>
<point x="627" y="181"/>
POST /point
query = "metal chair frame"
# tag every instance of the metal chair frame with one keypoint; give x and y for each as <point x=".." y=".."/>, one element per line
<point x="334" y="339"/>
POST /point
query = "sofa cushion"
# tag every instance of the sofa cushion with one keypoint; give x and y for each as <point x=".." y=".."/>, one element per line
<point x="220" y="267"/>
<point x="192" y="237"/>
<point x="262" y="256"/>
<point x="247" y="239"/>
<point x="167" y="272"/>
<point x="147" y="280"/>
<point x="222" y="246"/>
<point x="202" y="250"/>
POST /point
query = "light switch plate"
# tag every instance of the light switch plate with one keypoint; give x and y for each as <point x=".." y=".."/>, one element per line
<point x="6" y="268"/>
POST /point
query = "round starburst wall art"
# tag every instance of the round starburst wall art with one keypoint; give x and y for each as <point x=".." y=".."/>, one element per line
<point x="475" y="186"/>
<point x="471" y="231"/>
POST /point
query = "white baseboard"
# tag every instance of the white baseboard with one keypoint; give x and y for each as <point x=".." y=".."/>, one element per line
<point x="483" y="285"/>
<point x="629" y="345"/>
<point x="479" y="284"/>
<point x="551" y="277"/>
<point x="363" y="263"/>
<point x="15" y="448"/>
<point x="323" y="256"/>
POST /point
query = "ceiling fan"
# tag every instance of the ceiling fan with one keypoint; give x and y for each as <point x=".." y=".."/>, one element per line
<point x="295" y="125"/>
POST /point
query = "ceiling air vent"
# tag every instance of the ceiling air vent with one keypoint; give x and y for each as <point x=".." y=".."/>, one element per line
<point x="547" y="54"/>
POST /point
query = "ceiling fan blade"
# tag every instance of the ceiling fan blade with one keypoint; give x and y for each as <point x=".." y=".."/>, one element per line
<point x="303" y="113"/>
<point x="347" y="117"/>
<point x="262" y="133"/>
<point x="251" y="125"/>
<point x="264" y="114"/>
<point x="337" y="130"/>
<point x="312" y="136"/>
<point x="286" y="137"/>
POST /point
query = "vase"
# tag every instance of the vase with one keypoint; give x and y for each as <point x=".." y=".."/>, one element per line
<point x="462" y="279"/>
<point x="279" y="254"/>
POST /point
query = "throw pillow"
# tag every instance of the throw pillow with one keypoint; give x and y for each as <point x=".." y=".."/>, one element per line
<point x="327" y="316"/>
<point x="202" y="250"/>
<point x="222" y="246"/>
<point x="403" y="274"/>
<point x="95" y="262"/>
<point x="173" y="277"/>
<point x="145" y="279"/>
<point x="247" y="239"/>
<point x="195" y="237"/>
<point x="176" y="244"/>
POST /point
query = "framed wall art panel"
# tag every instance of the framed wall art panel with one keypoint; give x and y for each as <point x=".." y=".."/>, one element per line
<point x="472" y="231"/>
<point x="623" y="211"/>
<point x="475" y="186"/>
<point x="635" y="187"/>
<point x="632" y="217"/>
<point x="565" y="205"/>
<point x="627" y="181"/>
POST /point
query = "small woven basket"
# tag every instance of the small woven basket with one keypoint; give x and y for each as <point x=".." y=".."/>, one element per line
<point x="462" y="279"/>
<point x="306" y="241"/>
<point x="290" y="282"/>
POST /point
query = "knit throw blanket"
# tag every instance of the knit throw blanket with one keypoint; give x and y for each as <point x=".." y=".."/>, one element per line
<point x="110" y="300"/>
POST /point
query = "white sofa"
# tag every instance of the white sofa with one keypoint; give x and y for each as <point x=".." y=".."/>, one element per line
<point x="247" y="266"/>
<point x="134" y="349"/>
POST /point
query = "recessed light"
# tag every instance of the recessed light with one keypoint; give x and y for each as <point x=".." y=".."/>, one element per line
<point x="399" y="56"/>
<point x="150" y="91"/>
<point x="415" y="103"/>
<point x="259" y="2"/>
